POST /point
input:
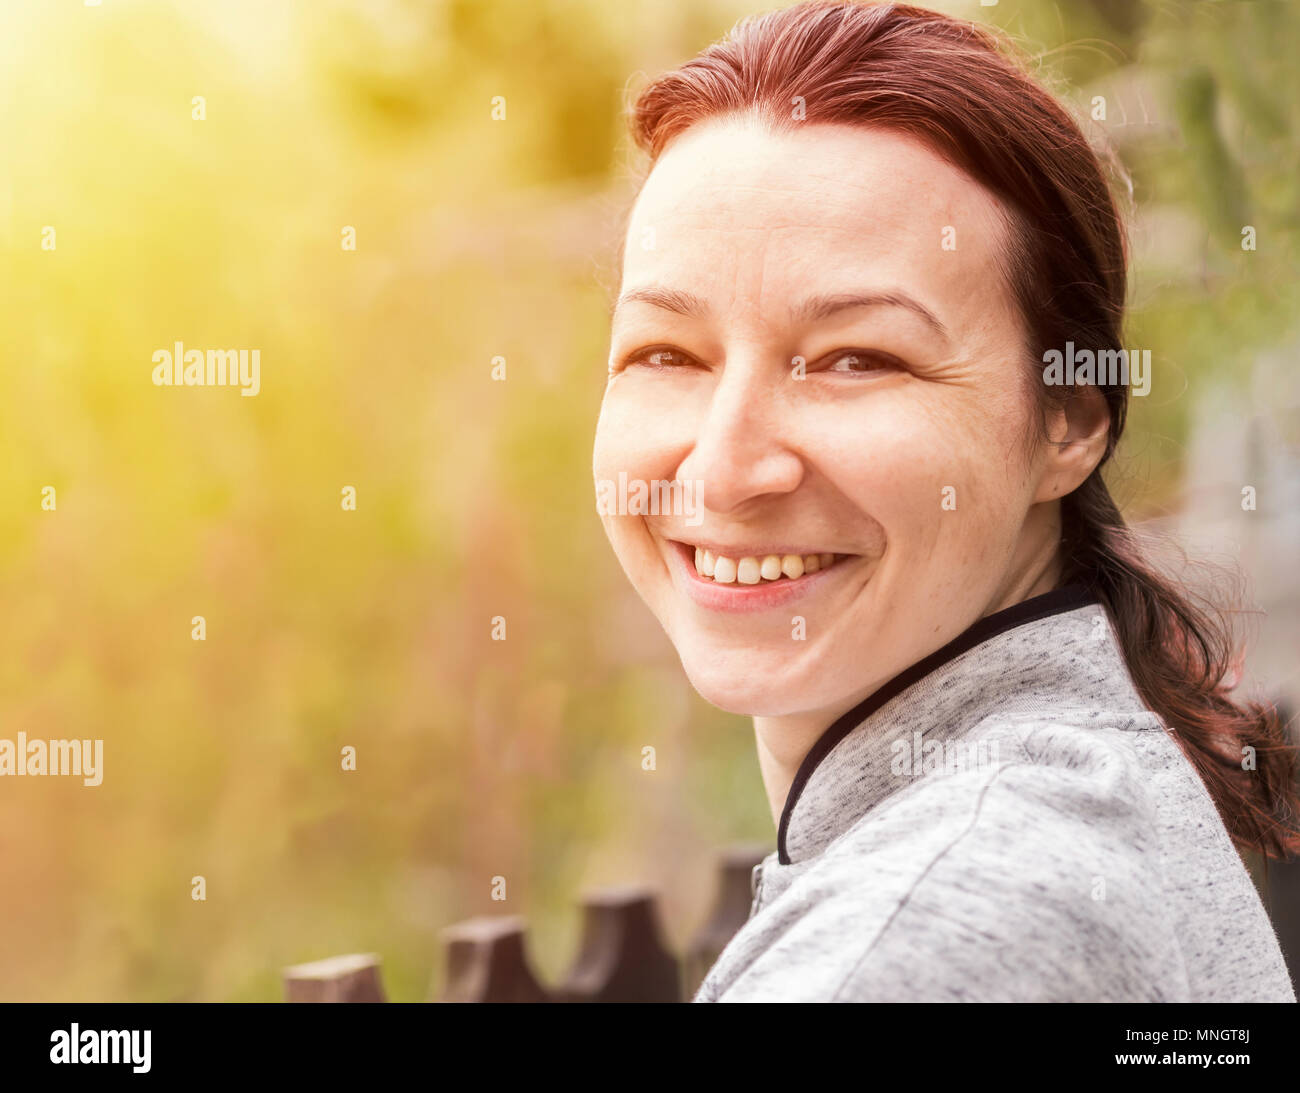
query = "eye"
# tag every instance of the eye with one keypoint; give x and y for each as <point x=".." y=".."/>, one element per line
<point x="660" y="358"/>
<point x="863" y="361"/>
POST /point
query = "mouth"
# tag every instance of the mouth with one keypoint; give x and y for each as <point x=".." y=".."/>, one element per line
<point x="760" y="568"/>
<point x="751" y="578"/>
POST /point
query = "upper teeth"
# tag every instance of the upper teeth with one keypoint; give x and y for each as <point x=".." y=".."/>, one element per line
<point x="754" y="569"/>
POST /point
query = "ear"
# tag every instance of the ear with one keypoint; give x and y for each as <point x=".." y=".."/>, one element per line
<point x="1078" y="433"/>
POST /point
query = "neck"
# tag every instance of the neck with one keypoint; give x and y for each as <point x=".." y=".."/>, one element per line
<point x="785" y="741"/>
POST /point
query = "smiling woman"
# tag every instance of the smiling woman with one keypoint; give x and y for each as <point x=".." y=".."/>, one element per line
<point x="860" y="229"/>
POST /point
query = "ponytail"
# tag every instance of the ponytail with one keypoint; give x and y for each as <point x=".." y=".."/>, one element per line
<point x="1182" y="657"/>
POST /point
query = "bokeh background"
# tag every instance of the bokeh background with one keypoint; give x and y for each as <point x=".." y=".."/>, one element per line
<point x="475" y="239"/>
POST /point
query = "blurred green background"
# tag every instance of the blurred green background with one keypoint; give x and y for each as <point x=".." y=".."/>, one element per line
<point x="475" y="239"/>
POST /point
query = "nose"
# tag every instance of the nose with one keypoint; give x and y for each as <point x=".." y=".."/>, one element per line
<point x="740" y="454"/>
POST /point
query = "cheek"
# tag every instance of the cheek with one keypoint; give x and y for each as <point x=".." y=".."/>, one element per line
<point x="606" y="456"/>
<point x="637" y="439"/>
<point x="933" y="471"/>
<point x="647" y="426"/>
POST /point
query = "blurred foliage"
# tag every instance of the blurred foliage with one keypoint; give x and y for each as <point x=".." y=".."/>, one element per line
<point x="328" y="628"/>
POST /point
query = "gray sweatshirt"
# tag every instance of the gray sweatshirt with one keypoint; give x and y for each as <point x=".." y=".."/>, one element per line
<point x="1004" y="821"/>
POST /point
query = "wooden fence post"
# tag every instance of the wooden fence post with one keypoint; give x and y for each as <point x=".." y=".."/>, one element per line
<point x="730" y="910"/>
<point x="352" y="978"/>
<point x="1283" y="885"/>
<point x="486" y="962"/>
<point x="622" y="957"/>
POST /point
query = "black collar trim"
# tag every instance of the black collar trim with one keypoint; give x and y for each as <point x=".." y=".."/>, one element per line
<point x="1056" y="602"/>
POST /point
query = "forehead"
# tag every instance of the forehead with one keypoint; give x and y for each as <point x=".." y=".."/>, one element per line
<point x="741" y="215"/>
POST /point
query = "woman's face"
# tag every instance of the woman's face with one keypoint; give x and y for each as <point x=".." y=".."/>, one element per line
<point x="814" y="339"/>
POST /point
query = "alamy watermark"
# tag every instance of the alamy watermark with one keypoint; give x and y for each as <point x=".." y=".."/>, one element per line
<point x="1115" y="367"/>
<point x="114" y="1046"/>
<point x="916" y="756"/>
<point x="181" y="367"/>
<point x="82" y="759"/>
<point x="657" y="497"/>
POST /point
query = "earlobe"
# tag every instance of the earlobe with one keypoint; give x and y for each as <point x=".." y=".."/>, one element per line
<point x="1078" y="433"/>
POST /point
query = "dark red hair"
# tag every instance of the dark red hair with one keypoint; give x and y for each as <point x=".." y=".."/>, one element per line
<point x="968" y="93"/>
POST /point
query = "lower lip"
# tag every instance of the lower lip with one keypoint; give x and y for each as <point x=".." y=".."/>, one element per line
<point x="744" y="597"/>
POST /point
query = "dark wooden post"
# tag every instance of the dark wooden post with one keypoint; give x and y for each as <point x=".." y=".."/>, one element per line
<point x="622" y="957"/>
<point x="353" y="978"/>
<point x="486" y="962"/>
<point x="1284" y="876"/>
<point x="730" y="910"/>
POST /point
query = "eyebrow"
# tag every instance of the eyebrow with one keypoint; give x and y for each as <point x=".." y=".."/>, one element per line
<point x="809" y="310"/>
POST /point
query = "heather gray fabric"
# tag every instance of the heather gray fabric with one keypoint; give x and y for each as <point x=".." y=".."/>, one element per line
<point x="1052" y="844"/>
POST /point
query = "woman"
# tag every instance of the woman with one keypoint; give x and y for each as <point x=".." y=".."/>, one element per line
<point x="998" y="747"/>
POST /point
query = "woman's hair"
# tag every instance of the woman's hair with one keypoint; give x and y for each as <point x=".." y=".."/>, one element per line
<point x="968" y="94"/>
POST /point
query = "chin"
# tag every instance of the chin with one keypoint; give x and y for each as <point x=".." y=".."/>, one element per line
<point x="748" y="694"/>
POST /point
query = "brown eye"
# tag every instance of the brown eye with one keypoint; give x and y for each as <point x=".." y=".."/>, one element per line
<point x="864" y="361"/>
<point x="660" y="359"/>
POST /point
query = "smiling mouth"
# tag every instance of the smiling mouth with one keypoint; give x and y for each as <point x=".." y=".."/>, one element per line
<point x="756" y="569"/>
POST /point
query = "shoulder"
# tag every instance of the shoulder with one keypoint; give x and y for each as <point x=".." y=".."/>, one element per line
<point x="1077" y="765"/>
<point x="1034" y="876"/>
<point x="1026" y="785"/>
